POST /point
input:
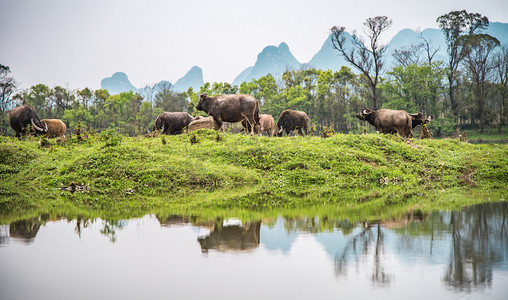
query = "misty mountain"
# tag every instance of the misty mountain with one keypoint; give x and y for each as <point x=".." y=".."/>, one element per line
<point x="273" y="60"/>
<point x="119" y="83"/>
<point x="276" y="60"/>
<point x="193" y="78"/>
<point x="329" y="58"/>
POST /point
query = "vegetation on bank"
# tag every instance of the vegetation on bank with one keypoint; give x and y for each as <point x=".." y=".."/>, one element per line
<point x="110" y="174"/>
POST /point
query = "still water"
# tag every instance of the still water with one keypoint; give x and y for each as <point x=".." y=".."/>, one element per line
<point x="441" y="255"/>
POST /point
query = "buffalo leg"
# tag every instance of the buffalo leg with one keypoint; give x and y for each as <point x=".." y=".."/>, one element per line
<point x="252" y="124"/>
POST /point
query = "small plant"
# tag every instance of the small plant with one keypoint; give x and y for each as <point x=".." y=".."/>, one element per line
<point x="163" y="139"/>
<point x="312" y="129"/>
<point x="45" y="143"/>
<point x="111" y="137"/>
<point x="78" y="132"/>
<point x="193" y="139"/>
<point x="219" y="137"/>
<point x="327" y="131"/>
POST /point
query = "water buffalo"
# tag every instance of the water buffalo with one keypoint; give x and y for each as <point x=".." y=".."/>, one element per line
<point x="231" y="108"/>
<point x="393" y="121"/>
<point x="266" y="123"/>
<point x="290" y="120"/>
<point x="172" y="122"/>
<point x="56" y="128"/>
<point x="22" y="116"/>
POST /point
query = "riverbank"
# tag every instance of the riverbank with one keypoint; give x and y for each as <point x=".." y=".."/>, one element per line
<point x="113" y="175"/>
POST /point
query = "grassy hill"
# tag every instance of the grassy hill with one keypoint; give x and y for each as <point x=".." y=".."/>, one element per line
<point x="112" y="174"/>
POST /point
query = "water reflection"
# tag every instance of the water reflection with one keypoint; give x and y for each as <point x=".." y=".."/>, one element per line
<point x="469" y="246"/>
<point x="479" y="242"/>
<point x="233" y="236"/>
<point x="25" y="230"/>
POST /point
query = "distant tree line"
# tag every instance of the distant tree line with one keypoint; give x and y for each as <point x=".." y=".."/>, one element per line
<point x="469" y="91"/>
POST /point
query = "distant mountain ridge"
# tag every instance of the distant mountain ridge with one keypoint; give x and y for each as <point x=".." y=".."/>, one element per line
<point x="276" y="60"/>
<point x="273" y="60"/>
<point x="119" y="83"/>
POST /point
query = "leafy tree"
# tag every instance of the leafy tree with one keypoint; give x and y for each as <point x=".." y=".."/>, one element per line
<point x="478" y="49"/>
<point x="501" y="79"/>
<point x="168" y="100"/>
<point x="7" y="89"/>
<point x="458" y="26"/>
<point x="415" y="88"/>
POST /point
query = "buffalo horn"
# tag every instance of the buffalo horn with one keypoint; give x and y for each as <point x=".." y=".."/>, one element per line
<point x="36" y="127"/>
<point x="365" y="112"/>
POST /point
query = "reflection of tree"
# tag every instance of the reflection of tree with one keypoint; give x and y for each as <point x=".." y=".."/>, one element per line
<point x="479" y="240"/>
<point x="317" y="224"/>
<point x="81" y="223"/>
<point x="362" y="245"/>
<point x="110" y="228"/>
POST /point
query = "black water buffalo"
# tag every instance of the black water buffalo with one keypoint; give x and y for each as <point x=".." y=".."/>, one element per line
<point x="172" y="122"/>
<point x="266" y="123"/>
<point x="56" y="128"/>
<point x="393" y="121"/>
<point x="290" y="120"/>
<point x="22" y="116"/>
<point x="231" y="108"/>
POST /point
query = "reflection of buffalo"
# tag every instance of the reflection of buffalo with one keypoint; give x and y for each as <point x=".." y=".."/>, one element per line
<point x="393" y="121"/>
<point x="25" y="230"/>
<point x="23" y="116"/>
<point x="172" y="122"/>
<point x="56" y="128"/>
<point x="290" y="120"/>
<point x="234" y="237"/>
<point x="231" y="108"/>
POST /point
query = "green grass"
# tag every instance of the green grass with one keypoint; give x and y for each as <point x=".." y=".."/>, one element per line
<point x="489" y="134"/>
<point x="206" y="172"/>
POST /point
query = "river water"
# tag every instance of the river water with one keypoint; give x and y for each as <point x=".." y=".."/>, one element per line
<point x="441" y="255"/>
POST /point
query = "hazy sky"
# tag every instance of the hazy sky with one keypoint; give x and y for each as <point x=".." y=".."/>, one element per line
<point x="78" y="43"/>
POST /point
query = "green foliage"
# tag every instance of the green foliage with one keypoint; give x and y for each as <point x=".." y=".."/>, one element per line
<point x="110" y="172"/>
<point x="415" y="88"/>
<point x="111" y="137"/>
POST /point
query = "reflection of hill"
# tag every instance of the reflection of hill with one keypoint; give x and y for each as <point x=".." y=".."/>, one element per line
<point x="277" y="238"/>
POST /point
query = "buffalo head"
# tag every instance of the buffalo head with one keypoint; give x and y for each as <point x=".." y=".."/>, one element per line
<point x="419" y="119"/>
<point x="41" y="130"/>
<point x="365" y="114"/>
<point x="202" y="104"/>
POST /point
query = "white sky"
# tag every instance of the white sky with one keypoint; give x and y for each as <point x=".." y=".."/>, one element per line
<point x="77" y="43"/>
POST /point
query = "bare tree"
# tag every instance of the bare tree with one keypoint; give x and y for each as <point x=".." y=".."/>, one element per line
<point x="416" y="54"/>
<point x="429" y="51"/>
<point x="408" y="55"/>
<point x="366" y="56"/>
